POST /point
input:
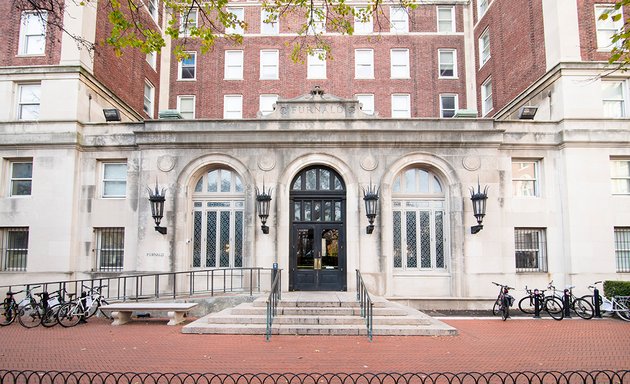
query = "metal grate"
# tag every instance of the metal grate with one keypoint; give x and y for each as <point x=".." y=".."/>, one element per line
<point x="110" y="248"/>
<point x="13" y="248"/>
<point x="530" y="249"/>
<point x="622" y="248"/>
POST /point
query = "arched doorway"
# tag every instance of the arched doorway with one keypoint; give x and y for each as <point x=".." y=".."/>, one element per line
<point x="317" y="255"/>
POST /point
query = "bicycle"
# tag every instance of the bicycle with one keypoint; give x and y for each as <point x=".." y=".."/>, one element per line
<point x="9" y="310"/>
<point x="82" y="308"/>
<point x="55" y="301"/>
<point x="619" y="305"/>
<point x="32" y="312"/>
<point x="580" y="306"/>
<point x="503" y="302"/>
<point x="548" y="303"/>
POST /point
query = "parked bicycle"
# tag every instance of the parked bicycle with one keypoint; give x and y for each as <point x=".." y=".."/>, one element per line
<point x="581" y="307"/>
<point x="546" y="303"/>
<point x="615" y="305"/>
<point x="9" y="311"/>
<point x="31" y="311"/>
<point x="82" y="308"/>
<point x="503" y="302"/>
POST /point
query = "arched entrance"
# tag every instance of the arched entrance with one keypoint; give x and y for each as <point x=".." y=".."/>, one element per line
<point x="317" y="255"/>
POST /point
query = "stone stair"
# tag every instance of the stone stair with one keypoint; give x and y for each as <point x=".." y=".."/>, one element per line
<point x="319" y="313"/>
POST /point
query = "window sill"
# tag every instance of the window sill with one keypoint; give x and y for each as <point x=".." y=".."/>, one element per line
<point x="187" y="80"/>
<point x="448" y="77"/>
<point x="31" y="55"/>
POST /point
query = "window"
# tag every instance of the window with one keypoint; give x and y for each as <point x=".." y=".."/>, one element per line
<point x="269" y="23"/>
<point x="153" y="10"/>
<point x="187" y="22"/>
<point x="187" y="67"/>
<point x="530" y="249"/>
<point x="486" y="96"/>
<point x="608" y="27"/>
<point x="114" y="180"/>
<point x="316" y="65"/>
<point x="622" y="248"/>
<point x="482" y="7"/>
<point x="362" y="21"/>
<point x="399" y="19"/>
<point x="448" y="63"/>
<point x="110" y="249"/>
<point x="317" y="21"/>
<point x="232" y="107"/>
<point x="399" y="63"/>
<point x="448" y="105"/>
<point x="28" y="101"/>
<point x="233" y="65"/>
<point x="419" y="221"/>
<point x="152" y="59"/>
<point x="363" y="64"/>
<point x="613" y="98"/>
<point x="367" y="103"/>
<point x="446" y="19"/>
<point x="266" y="103"/>
<point x="218" y="220"/>
<point x="484" y="47"/>
<point x="33" y="33"/>
<point x="525" y="179"/>
<point x="401" y="105"/>
<point x="21" y="181"/>
<point x="620" y="176"/>
<point x="149" y="94"/>
<point x="13" y="248"/>
<point x="239" y="15"/>
<point x="186" y="106"/>
<point x="269" y="64"/>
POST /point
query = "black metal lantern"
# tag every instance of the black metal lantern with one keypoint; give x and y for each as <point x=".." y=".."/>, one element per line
<point x="370" y="196"/>
<point x="479" y="206"/>
<point x="263" y="202"/>
<point x="157" y="198"/>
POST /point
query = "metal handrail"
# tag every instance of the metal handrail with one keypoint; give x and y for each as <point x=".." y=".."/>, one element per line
<point x="367" y="306"/>
<point x="151" y="286"/>
<point x="272" y="300"/>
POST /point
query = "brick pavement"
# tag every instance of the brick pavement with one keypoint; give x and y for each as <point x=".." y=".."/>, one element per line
<point x="482" y="345"/>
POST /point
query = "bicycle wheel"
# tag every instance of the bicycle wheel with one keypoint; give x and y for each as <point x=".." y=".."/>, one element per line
<point x="554" y="308"/>
<point x="29" y="316"/>
<point x="108" y="314"/>
<point x="8" y="313"/>
<point x="50" y="318"/>
<point x="496" y="308"/>
<point x="583" y="308"/>
<point x="526" y="305"/>
<point x="602" y="311"/>
<point x="68" y="315"/>
<point x="92" y="308"/>
<point x="623" y="309"/>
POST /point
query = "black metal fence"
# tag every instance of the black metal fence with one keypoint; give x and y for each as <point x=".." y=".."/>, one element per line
<point x="550" y="377"/>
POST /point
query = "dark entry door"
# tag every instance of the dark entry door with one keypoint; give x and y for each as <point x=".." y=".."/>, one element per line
<point x="317" y="250"/>
<point x="319" y="257"/>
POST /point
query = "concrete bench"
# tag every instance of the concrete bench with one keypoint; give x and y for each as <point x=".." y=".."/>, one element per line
<point x="121" y="312"/>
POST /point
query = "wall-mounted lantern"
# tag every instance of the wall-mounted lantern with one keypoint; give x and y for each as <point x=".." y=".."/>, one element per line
<point x="157" y="198"/>
<point x="479" y="206"/>
<point x="263" y="202"/>
<point x="370" y="196"/>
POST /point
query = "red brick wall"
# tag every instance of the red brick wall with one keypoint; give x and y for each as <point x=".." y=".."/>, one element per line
<point x="423" y="86"/>
<point x="10" y="39"/>
<point x="517" y="53"/>
<point x="588" y="30"/>
<point x="123" y="75"/>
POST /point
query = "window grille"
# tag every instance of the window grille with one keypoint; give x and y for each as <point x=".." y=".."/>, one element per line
<point x="622" y="248"/>
<point x="13" y="248"/>
<point x="530" y="249"/>
<point x="110" y="249"/>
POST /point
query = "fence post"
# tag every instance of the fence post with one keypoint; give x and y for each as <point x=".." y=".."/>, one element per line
<point x="536" y="304"/>
<point x="566" y="303"/>
<point x="597" y="303"/>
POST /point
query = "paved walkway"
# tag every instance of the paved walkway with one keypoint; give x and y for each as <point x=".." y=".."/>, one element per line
<point x="482" y="345"/>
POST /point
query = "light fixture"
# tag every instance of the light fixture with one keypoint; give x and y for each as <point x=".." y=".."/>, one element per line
<point x="111" y="114"/>
<point x="479" y="206"/>
<point x="157" y="198"/>
<point x="527" y="112"/>
<point x="263" y="201"/>
<point x="370" y="196"/>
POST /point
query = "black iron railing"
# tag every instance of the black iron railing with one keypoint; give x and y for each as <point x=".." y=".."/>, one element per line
<point x="367" y="306"/>
<point x="167" y="285"/>
<point x="275" y="295"/>
<point x="570" y="377"/>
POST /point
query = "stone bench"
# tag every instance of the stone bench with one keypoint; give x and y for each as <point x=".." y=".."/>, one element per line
<point x="121" y="312"/>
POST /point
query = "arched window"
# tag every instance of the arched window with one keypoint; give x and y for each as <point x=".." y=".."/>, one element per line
<point x="419" y="228"/>
<point x="218" y="215"/>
